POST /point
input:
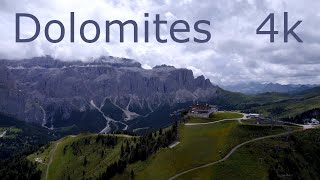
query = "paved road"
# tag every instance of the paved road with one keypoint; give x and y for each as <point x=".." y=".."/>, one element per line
<point x="245" y="117"/>
<point x="214" y="122"/>
<point x="230" y="153"/>
<point x="301" y="125"/>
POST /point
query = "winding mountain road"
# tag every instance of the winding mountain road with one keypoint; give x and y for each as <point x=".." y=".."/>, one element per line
<point x="231" y="152"/>
<point x="214" y="122"/>
<point x="305" y="127"/>
<point x="222" y="120"/>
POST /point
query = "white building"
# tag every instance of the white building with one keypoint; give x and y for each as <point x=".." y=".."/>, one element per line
<point x="251" y="115"/>
<point x="314" y="122"/>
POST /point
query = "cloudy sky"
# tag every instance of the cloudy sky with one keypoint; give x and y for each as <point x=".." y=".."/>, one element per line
<point x="234" y="54"/>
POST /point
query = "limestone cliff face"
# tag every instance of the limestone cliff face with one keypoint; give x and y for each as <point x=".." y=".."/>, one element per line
<point x="35" y="89"/>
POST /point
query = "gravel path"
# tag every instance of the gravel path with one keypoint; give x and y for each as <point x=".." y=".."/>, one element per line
<point x="51" y="157"/>
<point x="231" y="152"/>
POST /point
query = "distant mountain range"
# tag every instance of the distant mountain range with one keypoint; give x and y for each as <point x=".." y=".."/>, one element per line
<point x="100" y="95"/>
<point x="258" y="88"/>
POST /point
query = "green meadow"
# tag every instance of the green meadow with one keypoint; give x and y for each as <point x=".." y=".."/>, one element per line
<point x="275" y="158"/>
<point x="216" y="117"/>
<point x="89" y="161"/>
<point x="199" y="145"/>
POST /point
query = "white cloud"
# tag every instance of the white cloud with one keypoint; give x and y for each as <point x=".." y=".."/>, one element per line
<point x="235" y="53"/>
<point x="146" y="66"/>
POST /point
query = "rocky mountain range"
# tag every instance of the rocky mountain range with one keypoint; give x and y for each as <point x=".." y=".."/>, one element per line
<point x="99" y="95"/>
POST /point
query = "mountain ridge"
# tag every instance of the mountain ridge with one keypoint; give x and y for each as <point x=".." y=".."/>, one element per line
<point x="51" y="92"/>
<point x="259" y="88"/>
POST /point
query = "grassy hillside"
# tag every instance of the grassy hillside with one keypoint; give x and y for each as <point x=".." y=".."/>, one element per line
<point x="296" y="157"/>
<point x="279" y="105"/>
<point x="199" y="145"/>
<point x="87" y="156"/>
<point x="296" y="104"/>
<point x="82" y="156"/>
<point x="225" y="115"/>
<point x="93" y="156"/>
<point x="215" y="117"/>
<point x="230" y="100"/>
<point x="289" y="108"/>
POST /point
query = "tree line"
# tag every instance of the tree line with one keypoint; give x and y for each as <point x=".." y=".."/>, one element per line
<point x="140" y="148"/>
<point x="305" y="116"/>
<point x="106" y="141"/>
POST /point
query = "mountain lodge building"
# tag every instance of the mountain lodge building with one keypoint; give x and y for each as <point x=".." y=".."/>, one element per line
<point x="202" y="108"/>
